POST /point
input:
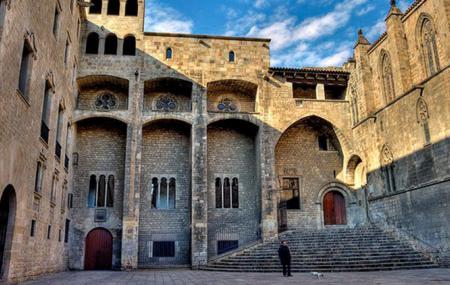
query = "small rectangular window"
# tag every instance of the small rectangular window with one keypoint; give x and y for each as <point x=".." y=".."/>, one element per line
<point x="290" y="194"/>
<point x="70" y="200"/>
<point x="39" y="177"/>
<point x="49" y="231"/>
<point x="164" y="249"/>
<point x="323" y="143"/>
<point x="224" y="246"/>
<point x="59" y="235"/>
<point x="25" y="69"/>
<point x="33" y="228"/>
<point x="66" y="232"/>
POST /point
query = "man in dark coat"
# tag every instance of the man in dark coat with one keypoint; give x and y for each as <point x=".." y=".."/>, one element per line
<point x="285" y="258"/>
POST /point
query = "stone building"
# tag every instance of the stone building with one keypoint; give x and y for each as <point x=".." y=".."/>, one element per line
<point x="154" y="149"/>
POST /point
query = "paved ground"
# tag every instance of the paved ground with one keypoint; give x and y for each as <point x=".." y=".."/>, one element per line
<point x="175" y="277"/>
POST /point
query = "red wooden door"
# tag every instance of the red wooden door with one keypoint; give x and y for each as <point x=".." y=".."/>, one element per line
<point x="98" y="255"/>
<point x="334" y="209"/>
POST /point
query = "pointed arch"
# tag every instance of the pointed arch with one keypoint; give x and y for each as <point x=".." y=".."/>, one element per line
<point x="427" y="42"/>
<point x="387" y="76"/>
<point x="388" y="168"/>
<point x="422" y="118"/>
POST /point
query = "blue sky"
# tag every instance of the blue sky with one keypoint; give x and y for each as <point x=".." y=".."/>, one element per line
<point x="303" y="32"/>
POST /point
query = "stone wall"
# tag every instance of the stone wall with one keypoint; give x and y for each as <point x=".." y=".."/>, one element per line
<point x="232" y="154"/>
<point x="100" y="146"/>
<point x="165" y="154"/>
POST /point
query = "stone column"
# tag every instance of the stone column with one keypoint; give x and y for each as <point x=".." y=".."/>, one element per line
<point x="269" y="198"/>
<point x="199" y="226"/>
<point x="320" y="91"/>
<point x="131" y="199"/>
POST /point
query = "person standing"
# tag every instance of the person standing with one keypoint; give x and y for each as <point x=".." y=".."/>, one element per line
<point x="285" y="258"/>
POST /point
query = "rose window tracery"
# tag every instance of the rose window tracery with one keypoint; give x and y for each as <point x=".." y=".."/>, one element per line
<point x="106" y="102"/>
<point x="227" y="105"/>
<point x="166" y="103"/>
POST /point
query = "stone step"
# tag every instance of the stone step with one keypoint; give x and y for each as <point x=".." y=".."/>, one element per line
<point x="328" y="250"/>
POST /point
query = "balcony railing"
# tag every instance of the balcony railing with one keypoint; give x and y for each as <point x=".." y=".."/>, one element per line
<point x="58" y="150"/>
<point x="44" y="131"/>
<point x="169" y="106"/>
<point x="66" y="162"/>
<point x="231" y="107"/>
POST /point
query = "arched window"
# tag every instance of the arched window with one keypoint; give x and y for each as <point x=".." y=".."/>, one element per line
<point x="169" y="53"/>
<point x="92" y="43"/>
<point x="429" y="46"/>
<point x="235" y="193"/>
<point x="113" y="7"/>
<point x="227" y="193"/>
<point x="96" y="7"/>
<point x="422" y="119"/>
<point x="129" y="45"/>
<point x="231" y="56"/>
<point x="101" y="191"/>
<point x="92" y="191"/>
<point x="163" y="193"/>
<point x="387" y="77"/>
<point x="218" y="193"/>
<point x="111" y="44"/>
<point x="131" y="8"/>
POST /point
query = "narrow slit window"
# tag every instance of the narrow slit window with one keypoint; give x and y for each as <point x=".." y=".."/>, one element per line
<point x="56" y="22"/>
<point x="172" y="193"/>
<point x="219" y="193"/>
<point x="110" y="194"/>
<point x="226" y="193"/>
<point x="235" y="193"/>
<point x="92" y="191"/>
<point x="154" y="194"/>
<point x="163" y="197"/>
<point x="101" y="194"/>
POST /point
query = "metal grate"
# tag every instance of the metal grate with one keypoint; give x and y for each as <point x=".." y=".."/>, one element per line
<point x="163" y="249"/>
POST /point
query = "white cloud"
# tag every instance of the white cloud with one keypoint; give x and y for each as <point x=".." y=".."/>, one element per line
<point x="163" y="18"/>
<point x="365" y="10"/>
<point x="376" y="30"/>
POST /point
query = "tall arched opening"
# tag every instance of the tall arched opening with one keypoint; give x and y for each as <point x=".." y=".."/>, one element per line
<point x="7" y="222"/>
<point x="99" y="250"/>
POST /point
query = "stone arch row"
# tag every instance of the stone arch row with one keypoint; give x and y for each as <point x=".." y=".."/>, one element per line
<point x="110" y="44"/>
<point x="113" y="7"/>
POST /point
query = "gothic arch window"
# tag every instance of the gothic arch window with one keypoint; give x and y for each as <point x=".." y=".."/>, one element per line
<point x="422" y="118"/>
<point x="129" y="45"/>
<point x="96" y="7"/>
<point x="387" y="77"/>
<point x="131" y="8"/>
<point x="169" y="53"/>
<point x="92" y="43"/>
<point x="387" y="167"/>
<point x="111" y="44"/>
<point x="113" y="7"/>
<point x="227" y="192"/>
<point x="163" y="193"/>
<point x="101" y="191"/>
<point x="428" y="45"/>
<point x="231" y="56"/>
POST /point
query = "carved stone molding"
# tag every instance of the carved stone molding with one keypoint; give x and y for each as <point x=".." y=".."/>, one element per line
<point x="31" y="39"/>
<point x="51" y="80"/>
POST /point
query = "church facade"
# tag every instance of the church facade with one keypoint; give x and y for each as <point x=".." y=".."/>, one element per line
<point x="165" y="150"/>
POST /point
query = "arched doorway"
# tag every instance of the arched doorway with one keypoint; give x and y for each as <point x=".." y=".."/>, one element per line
<point x="7" y="214"/>
<point x="98" y="255"/>
<point x="334" y="209"/>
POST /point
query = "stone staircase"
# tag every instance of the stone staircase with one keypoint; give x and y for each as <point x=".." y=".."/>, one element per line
<point x="328" y="250"/>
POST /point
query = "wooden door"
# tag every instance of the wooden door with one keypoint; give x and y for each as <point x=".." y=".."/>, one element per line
<point x="334" y="209"/>
<point x="98" y="255"/>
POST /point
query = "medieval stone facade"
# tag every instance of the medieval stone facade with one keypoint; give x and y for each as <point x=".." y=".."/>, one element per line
<point x="172" y="149"/>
